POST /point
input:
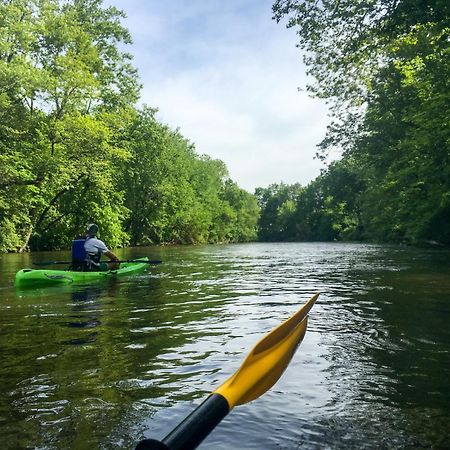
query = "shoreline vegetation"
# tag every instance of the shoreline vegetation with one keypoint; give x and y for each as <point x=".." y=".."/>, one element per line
<point x="75" y="149"/>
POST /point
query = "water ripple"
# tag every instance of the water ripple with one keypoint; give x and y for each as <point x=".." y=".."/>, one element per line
<point x="131" y="358"/>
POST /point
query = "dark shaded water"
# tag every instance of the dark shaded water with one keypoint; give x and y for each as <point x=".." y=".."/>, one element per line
<point x="102" y="366"/>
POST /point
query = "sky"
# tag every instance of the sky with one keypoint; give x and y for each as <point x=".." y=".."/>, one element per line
<point x="228" y="76"/>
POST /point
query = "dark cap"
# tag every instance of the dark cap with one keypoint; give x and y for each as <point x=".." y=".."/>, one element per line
<point x="92" y="228"/>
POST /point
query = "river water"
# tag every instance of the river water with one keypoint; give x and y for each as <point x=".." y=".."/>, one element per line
<point x="103" y="366"/>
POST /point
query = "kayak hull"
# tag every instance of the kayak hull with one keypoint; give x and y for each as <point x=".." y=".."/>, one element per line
<point x="52" y="277"/>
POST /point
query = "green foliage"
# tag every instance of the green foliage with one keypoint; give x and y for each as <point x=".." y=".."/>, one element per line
<point x="410" y="177"/>
<point x="74" y="149"/>
<point x="327" y="209"/>
<point x="60" y="72"/>
<point x="346" y="44"/>
<point x="238" y="218"/>
<point x="384" y="66"/>
<point x="277" y="210"/>
<point x="176" y="196"/>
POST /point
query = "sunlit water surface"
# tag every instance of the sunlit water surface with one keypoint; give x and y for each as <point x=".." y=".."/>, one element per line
<point x="103" y="366"/>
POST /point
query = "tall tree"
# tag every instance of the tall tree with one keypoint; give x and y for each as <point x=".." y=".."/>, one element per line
<point x="63" y="77"/>
<point x="175" y="195"/>
<point x="383" y="64"/>
<point x="405" y="141"/>
<point x="278" y="204"/>
<point x="345" y="43"/>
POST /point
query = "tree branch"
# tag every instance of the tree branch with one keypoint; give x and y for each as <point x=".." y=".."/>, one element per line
<point x="54" y="200"/>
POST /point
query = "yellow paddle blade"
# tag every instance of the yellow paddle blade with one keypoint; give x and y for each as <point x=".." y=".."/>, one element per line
<point x="267" y="361"/>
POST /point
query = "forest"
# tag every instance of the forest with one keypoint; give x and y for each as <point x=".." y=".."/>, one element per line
<point x="75" y="148"/>
<point x="383" y="66"/>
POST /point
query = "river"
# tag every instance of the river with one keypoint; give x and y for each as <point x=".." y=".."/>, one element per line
<point x="104" y="365"/>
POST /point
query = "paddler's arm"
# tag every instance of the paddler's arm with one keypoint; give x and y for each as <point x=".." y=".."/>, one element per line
<point x="111" y="256"/>
<point x="113" y="265"/>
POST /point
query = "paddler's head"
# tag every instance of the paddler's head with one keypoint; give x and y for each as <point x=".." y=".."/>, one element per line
<point x="92" y="229"/>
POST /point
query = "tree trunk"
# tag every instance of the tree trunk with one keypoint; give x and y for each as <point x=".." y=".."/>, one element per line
<point x="24" y="246"/>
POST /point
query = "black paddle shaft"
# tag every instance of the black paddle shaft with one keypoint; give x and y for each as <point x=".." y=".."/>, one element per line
<point x="191" y="432"/>
<point x="49" y="263"/>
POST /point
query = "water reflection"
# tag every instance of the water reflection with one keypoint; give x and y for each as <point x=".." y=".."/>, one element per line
<point x="102" y="366"/>
<point x="85" y="315"/>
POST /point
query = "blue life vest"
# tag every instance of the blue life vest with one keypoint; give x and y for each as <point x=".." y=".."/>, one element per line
<point x="78" y="251"/>
<point x="78" y="256"/>
<point x="81" y="259"/>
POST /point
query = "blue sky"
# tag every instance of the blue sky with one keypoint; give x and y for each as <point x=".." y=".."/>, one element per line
<point x="227" y="75"/>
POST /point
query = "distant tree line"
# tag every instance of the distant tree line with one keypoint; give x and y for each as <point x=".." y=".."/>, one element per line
<point x="74" y="149"/>
<point x="384" y="68"/>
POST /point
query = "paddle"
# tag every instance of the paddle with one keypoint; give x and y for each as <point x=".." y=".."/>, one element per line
<point x="48" y="263"/>
<point x="260" y="370"/>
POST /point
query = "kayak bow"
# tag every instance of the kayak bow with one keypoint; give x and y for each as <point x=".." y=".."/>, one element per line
<point x="260" y="370"/>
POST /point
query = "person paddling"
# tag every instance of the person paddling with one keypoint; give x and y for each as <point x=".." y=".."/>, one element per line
<point x="95" y="248"/>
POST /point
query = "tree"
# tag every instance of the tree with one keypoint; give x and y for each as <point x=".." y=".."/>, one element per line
<point x="384" y="67"/>
<point x="175" y="195"/>
<point x="345" y="43"/>
<point x="277" y="209"/>
<point x="63" y="79"/>
<point x="238" y="214"/>
<point x="405" y="145"/>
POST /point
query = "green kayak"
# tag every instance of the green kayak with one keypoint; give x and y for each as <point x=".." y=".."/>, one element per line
<point x="46" y="277"/>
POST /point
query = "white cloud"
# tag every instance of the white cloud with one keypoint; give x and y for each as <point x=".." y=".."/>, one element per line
<point x="228" y="77"/>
